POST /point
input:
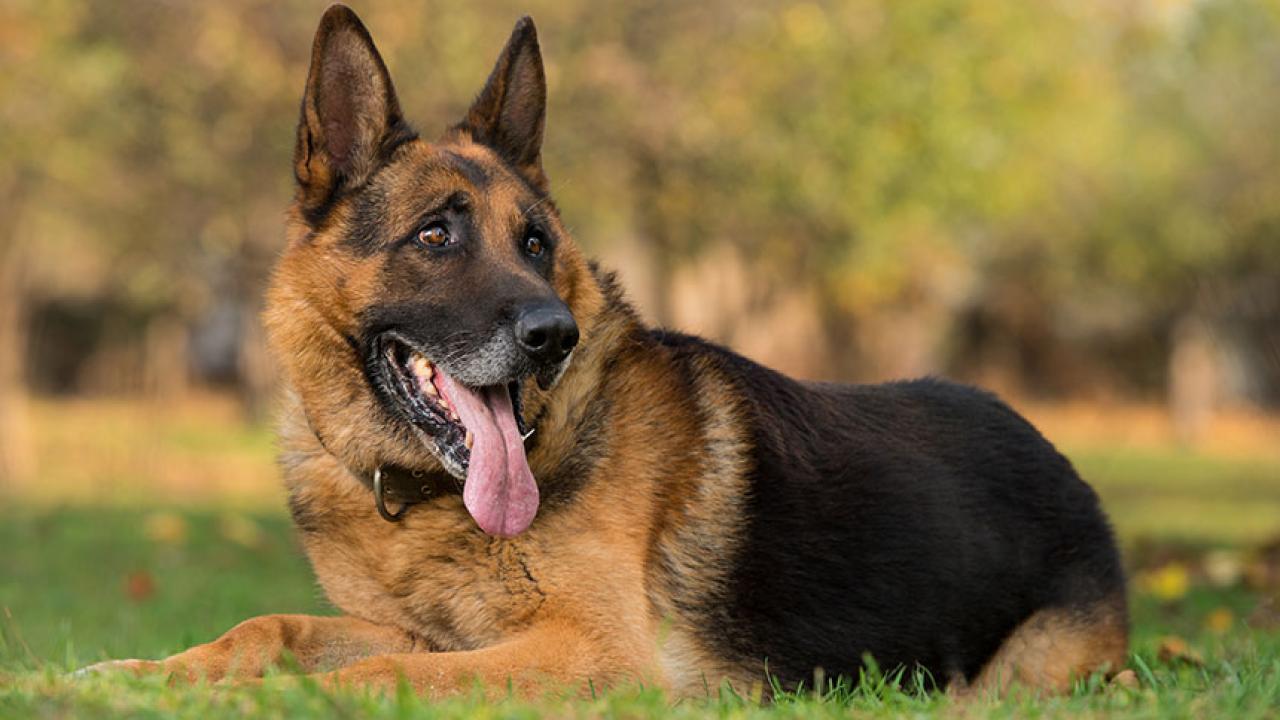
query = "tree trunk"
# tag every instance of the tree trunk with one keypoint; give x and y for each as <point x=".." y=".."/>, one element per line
<point x="1194" y="378"/>
<point x="16" y="458"/>
<point x="165" y="358"/>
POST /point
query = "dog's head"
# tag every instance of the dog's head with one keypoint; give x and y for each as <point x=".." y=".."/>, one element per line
<point x="429" y="299"/>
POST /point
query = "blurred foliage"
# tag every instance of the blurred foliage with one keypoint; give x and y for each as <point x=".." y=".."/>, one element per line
<point x="1066" y="178"/>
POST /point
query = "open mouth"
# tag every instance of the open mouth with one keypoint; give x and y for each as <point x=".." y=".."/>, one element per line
<point x="477" y="433"/>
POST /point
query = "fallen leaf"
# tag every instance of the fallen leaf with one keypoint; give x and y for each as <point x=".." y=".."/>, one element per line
<point x="1168" y="583"/>
<point x="1174" y="649"/>
<point x="139" y="586"/>
<point x="240" y="529"/>
<point x="1220" y="620"/>
<point x="166" y="527"/>
<point x="1126" y="679"/>
<point x="1223" y="568"/>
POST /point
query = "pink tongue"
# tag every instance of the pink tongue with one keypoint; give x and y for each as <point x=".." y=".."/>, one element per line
<point x="500" y="492"/>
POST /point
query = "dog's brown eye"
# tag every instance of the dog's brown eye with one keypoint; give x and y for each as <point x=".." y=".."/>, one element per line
<point x="533" y="245"/>
<point x="434" y="236"/>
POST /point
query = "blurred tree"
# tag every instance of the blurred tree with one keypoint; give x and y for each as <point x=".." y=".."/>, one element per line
<point x="50" y="85"/>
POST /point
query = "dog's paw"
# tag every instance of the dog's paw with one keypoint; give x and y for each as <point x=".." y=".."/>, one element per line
<point x="136" y="667"/>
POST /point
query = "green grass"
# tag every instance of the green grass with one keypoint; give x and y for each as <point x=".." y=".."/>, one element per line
<point x="66" y="581"/>
<point x="1183" y="494"/>
<point x="80" y="584"/>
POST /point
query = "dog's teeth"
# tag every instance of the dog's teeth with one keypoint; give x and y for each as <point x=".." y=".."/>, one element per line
<point x="430" y="389"/>
<point x="471" y="439"/>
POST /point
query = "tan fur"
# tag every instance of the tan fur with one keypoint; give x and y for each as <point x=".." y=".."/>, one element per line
<point x="1053" y="648"/>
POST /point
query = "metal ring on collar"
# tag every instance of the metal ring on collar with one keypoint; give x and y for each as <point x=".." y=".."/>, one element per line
<point x="381" y="502"/>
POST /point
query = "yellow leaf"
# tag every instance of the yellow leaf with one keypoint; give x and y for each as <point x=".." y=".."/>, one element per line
<point x="166" y="527"/>
<point x="1175" y="650"/>
<point x="1220" y="620"/>
<point x="1168" y="583"/>
<point x="240" y="529"/>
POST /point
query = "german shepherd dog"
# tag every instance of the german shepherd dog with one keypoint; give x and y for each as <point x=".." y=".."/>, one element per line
<point x="501" y="475"/>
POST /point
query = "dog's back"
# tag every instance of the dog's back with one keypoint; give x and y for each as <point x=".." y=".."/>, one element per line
<point x="921" y="522"/>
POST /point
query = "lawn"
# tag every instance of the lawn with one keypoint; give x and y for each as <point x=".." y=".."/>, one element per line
<point x="93" y="576"/>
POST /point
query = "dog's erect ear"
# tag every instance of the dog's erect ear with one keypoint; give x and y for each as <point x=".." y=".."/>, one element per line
<point x="510" y="112"/>
<point x="351" y="120"/>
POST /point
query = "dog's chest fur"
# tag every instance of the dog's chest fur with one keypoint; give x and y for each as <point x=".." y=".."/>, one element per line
<point x="433" y="574"/>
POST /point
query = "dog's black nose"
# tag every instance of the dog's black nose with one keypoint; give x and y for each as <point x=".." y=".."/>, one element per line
<point x="546" y="331"/>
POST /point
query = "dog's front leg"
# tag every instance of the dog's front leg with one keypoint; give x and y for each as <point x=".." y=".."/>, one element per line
<point x="248" y="649"/>
<point x="544" y="658"/>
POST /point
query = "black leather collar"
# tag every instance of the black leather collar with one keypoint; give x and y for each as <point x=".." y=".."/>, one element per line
<point x="395" y="484"/>
<point x="405" y="487"/>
